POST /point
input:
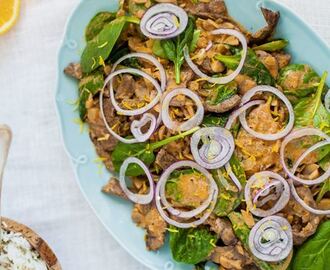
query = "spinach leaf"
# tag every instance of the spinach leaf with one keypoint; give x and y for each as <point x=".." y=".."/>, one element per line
<point x="242" y="232"/>
<point x="193" y="44"/>
<point x="97" y="23"/>
<point x="143" y="151"/>
<point x="324" y="189"/>
<point x="222" y="92"/>
<point x="98" y="49"/>
<point x="273" y="46"/>
<point x="298" y="81"/>
<point x="158" y="50"/>
<point x="229" y="199"/>
<point x="124" y="151"/>
<point x="173" y="48"/>
<point x="211" y="120"/>
<point x="310" y="111"/>
<point x="88" y="85"/>
<point x="314" y="254"/>
<point x="253" y="67"/>
<point x="191" y="245"/>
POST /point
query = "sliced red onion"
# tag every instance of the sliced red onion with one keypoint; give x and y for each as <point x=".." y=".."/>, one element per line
<point x="264" y="179"/>
<point x="270" y="239"/>
<point x="137" y="198"/>
<point x="148" y="57"/>
<point x="138" y="72"/>
<point x="217" y="149"/>
<point x="305" y="205"/>
<point x="189" y="124"/>
<point x="232" y="118"/>
<point x="298" y="134"/>
<point x="230" y="77"/>
<point x="138" y="124"/>
<point x="163" y="21"/>
<point x="207" y="206"/>
<point x="327" y="101"/>
<point x="268" y="137"/>
<point x="264" y="195"/>
<point x="209" y="45"/>
<point x="307" y="152"/>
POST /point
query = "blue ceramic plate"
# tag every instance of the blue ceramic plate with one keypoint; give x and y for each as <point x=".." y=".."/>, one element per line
<point x="305" y="46"/>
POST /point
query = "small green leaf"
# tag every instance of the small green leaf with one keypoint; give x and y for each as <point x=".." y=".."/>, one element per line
<point x="96" y="25"/>
<point x="215" y="121"/>
<point x="253" y="67"/>
<point x="222" y="92"/>
<point x="158" y="50"/>
<point x="314" y="254"/>
<point x="229" y="198"/>
<point x="88" y="86"/>
<point x="273" y="46"/>
<point x="192" y="245"/>
<point x="193" y="44"/>
<point x="99" y="49"/>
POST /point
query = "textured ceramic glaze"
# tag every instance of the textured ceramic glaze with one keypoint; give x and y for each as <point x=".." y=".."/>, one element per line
<point x="115" y="214"/>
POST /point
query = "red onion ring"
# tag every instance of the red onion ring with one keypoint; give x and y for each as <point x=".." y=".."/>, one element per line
<point x="207" y="205"/>
<point x="136" y="126"/>
<point x="305" y="205"/>
<point x="265" y="191"/>
<point x="230" y="77"/>
<point x="298" y="134"/>
<point x="327" y="101"/>
<point x="148" y="57"/>
<point x="233" y="116"/>
<point x="160" y="21"/>
<point x="270" y="239"/>
<point x="137" y="111"/>
<point x="217" y="149"/>
<point x="189" y="124"/>
<point x="137" y="198"/>
<point x="268" y="137"/>
<point x="264" y="179"/>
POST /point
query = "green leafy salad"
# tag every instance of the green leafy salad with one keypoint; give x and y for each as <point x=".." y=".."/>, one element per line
<point x="219" y="141"/>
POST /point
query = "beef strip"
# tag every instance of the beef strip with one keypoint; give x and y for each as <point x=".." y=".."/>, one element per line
<point x="223" y="228"/>
<point x="74" y="70"/>
<point x="214" y="9"/>
<point x="283" y="59"/>
<point x="224" y="106"/>
<point x="269" y="61"/>
<point x="125" y="88"/>
<point x="113" y="188"/>
<point x="164" y="159"/>
<point x="232" y="257"/>
<point x="263" y="34"/>
<point x="148" y="218"/>
<point x="303" y="223"/>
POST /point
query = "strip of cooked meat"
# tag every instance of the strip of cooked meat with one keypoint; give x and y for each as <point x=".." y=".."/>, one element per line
<point x="214" y="9"/>
<point x="269" y="61"/>
<point x="223" y="228"/>
<point x="223" y="106"/>
<point x="148" y="218"/>
<point x="303" y="223"/>
<point x="232" y="257"/>
<point x="74" y="70"/>
<point x="125" y="88"/>
<point x="263" y="34"/>
<point x="283" y="59"/>
<point x="164" y="159"/>
<point x="113" y="188"/>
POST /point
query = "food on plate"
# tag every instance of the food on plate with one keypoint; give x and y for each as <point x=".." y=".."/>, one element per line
<point x="225" y="141"/>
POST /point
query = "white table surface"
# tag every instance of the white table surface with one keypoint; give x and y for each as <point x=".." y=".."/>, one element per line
<point x="40" y="189"/>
